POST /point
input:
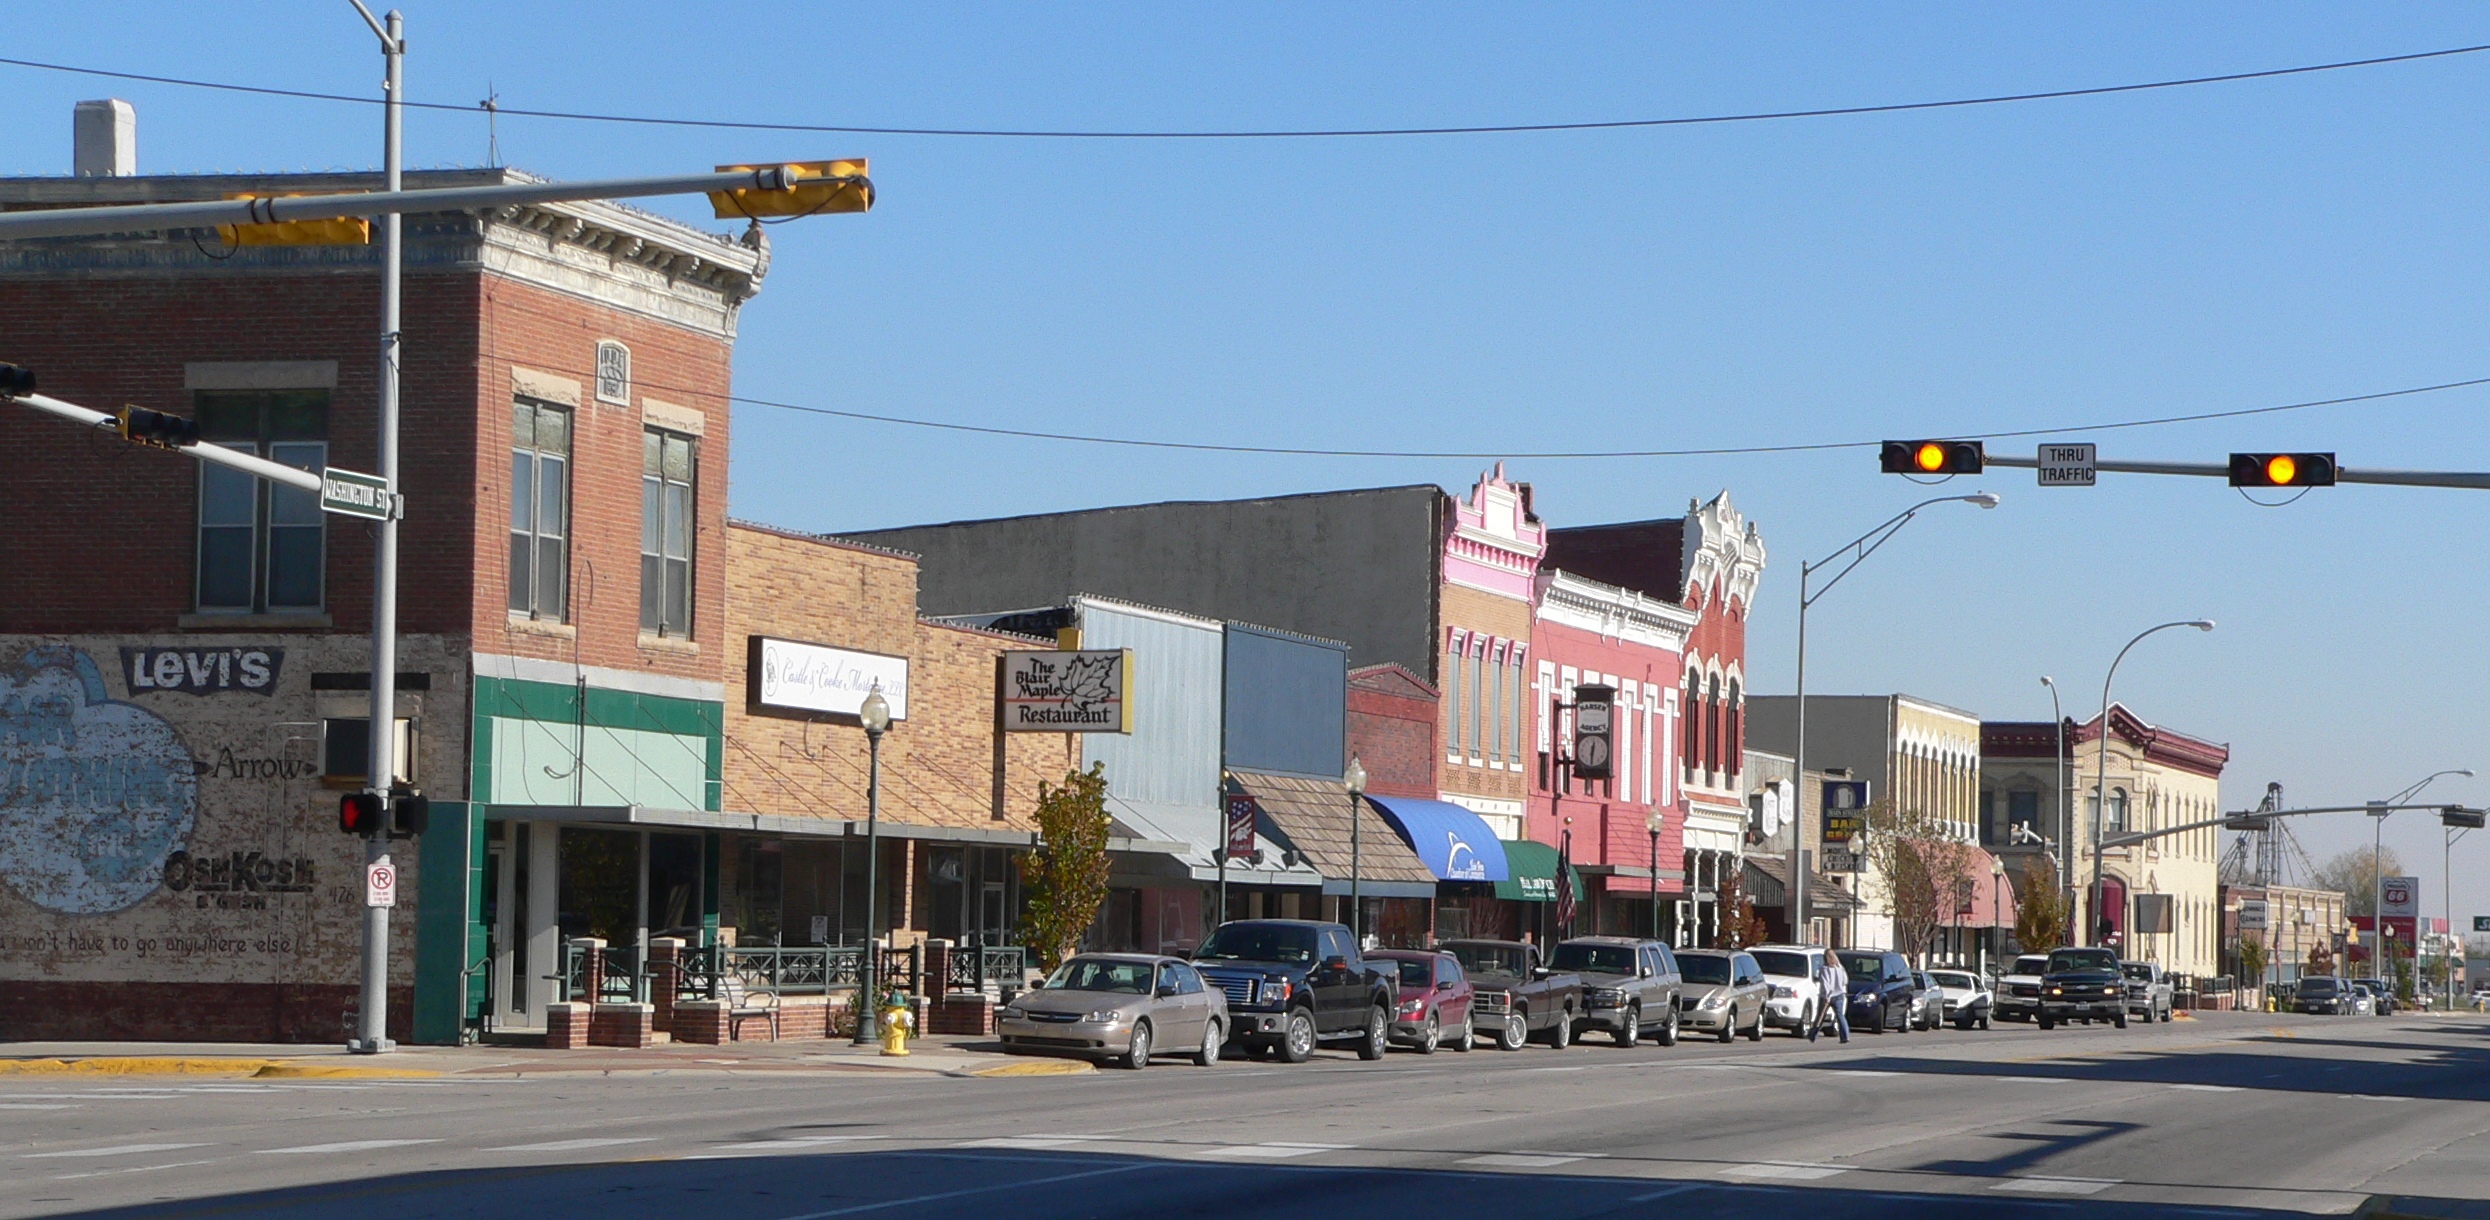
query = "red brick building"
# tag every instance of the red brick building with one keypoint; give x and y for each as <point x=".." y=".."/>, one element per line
<point x="1392" y="728"/>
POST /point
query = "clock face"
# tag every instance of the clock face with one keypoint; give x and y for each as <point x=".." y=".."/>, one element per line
<point x="1591" y="753"/>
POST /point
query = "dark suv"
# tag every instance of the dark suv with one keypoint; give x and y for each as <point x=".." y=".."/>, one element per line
<point x="1628" y="986"/>
<point x="1292" y="983"/>
<point x="2083" y="985"/>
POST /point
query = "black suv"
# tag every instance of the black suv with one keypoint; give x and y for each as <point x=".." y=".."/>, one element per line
<point x="1629" y="987"/>
<point x="1292" y="983"/>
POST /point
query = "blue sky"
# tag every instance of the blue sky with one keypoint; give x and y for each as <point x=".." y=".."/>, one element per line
<point x="2032" y="265"/>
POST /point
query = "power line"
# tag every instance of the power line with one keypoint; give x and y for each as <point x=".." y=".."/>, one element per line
<point x="1320" y="133"/>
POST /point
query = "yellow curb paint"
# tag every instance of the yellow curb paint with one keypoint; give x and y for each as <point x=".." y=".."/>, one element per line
<point x="131" y="1065"/>
<point x="1037" y="1067"/>
<point x="323" y="1071"/>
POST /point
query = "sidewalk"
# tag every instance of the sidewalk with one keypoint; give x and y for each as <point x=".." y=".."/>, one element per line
<point x="948" y="1056"/>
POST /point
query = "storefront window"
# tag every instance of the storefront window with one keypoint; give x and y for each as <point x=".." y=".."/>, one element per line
<point x="600" y="894"/>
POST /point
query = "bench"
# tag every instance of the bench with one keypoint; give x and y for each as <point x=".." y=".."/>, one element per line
<point x="746" y="997"/>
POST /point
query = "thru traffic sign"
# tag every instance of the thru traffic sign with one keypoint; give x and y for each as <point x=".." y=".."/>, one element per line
<point x="2067" y="465"/>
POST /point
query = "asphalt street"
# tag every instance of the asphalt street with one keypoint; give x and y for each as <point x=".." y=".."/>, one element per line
<point x="2230" y="1114"/>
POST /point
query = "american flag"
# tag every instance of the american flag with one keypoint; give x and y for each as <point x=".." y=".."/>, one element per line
<point x="1565" y="884"/>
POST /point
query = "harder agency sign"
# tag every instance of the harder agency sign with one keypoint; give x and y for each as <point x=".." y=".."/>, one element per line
<point x="794" y="677"/>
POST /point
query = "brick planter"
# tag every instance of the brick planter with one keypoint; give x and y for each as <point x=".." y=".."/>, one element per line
<point x="627" y="1025"/>
<point x="566" y="1026"/>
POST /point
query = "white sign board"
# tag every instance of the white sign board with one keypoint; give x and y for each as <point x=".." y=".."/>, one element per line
<point x="380" y="883"/>
<point x="1088" y="691"/>
<point x="2252" y="915"/>
<point x="2066" y="465"/>
<point x="2399" y="897"/>
<point x="794" y="677"/>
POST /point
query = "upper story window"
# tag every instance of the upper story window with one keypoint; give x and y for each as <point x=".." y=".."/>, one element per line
<point x="667" y="465"/>
<point x="613" y="373"/>
<point x="540" y="509"/>
<point x="262" y="548"/>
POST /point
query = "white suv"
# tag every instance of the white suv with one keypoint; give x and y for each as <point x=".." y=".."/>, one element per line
<point x="1796" y="975"/>
<point x="2018" y="994"/>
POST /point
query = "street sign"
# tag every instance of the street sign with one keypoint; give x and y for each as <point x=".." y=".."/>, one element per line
<point x="2252" y="915"/>
<point x="2067" y="466"/>
<point x="380" y="884"/>
<point x="2481" y="923"/>
<point x="354" y="494"/>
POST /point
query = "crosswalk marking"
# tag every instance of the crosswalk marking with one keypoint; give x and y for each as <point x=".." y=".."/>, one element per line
<point x="2057" y="1186"/>
<point x="344" y="1146"/>
<point x="577" y="1144"/>
<point x="1027" y="1141"/>
<point x="2207" y="1088"/>
<point x="115" y="1150"/>
<point x="1783" y="1172"/>
<point x="1520" y="1160"/>
<point x="1274" y="1151"/>
<point x="792" y="1144"/>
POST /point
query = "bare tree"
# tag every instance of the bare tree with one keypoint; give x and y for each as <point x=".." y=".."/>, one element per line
<point x="2355" y="872"/>
<point x="1924" y="870"/>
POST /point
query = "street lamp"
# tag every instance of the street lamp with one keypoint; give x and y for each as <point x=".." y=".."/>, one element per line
<point x="875" y="715"/>
<point x="2101" y="780"/>
<point x="2061" y="799"/>
<point x="1997" y="904"/>
<point x="1652" y="822"/>
<point x="1354" y="779"/>
<point x="1858" y="549"/>
<point x="2377" y="870"/>
<point x="2446" y="879"/>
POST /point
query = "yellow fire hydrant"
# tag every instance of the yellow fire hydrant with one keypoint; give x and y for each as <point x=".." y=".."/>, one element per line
<point x="897" y="1024"/>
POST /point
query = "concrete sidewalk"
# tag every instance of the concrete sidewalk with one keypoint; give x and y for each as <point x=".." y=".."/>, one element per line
<point x="949" y="1056"/>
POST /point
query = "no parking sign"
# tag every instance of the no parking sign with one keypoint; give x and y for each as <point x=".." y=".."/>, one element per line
<point x="380" y="883"/>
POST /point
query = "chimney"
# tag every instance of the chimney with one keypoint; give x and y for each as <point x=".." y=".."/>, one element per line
<point x="107" y="138"/>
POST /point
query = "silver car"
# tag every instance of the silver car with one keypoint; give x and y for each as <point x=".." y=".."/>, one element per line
<point x="1725" y="992"/>
<point x="1120" y="1007"/>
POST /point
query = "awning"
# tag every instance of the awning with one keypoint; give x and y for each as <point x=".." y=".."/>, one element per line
<point x="1767" y="883"/>
<point x="1451" y="841"/>
<point x="1311" y="817"/>
<point x="1991" y="900"/>
<point x="1533" y="873"/>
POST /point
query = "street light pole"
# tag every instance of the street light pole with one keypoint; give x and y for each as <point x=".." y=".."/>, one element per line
<point x="1652" y="822"/>
<point x="1354" y="779"/>
<point x="2101" y="781"/>
<point x="2065" y="803"/>
<point x="875" y="715"/>
<point x="2377" y="874"/>
<point x="1858" y="549"/>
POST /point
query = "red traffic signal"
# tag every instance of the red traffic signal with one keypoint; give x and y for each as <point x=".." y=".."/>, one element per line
<point x="1934" y="457"/>
<point x="360" y="813"/>
<point x="2282" y="470"/>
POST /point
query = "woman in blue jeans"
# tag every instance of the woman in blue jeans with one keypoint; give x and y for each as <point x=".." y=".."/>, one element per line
<point x="1836" y="983"/>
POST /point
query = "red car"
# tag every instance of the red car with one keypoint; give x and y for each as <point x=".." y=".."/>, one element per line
<point x="1435" y="1000"/>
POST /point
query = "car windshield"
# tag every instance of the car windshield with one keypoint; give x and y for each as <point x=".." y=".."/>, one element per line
<point x="2082" y="959"/>
<point x="2032" y="963"/>
<point x="2137" y="970"/>
<point x="1489" y="959"/>
<point x="1953" y="978"/>
<point x="1598" y="959"/>
<point x="1417" y="974"/>
<point x="1101" y="974"/>
<point x="1786" y="965"/>
<point x="2315" y="987"/>
<point x="1702" y="968"/>
<point x="1864" y="967"/>
<point x="1251" y="942"/>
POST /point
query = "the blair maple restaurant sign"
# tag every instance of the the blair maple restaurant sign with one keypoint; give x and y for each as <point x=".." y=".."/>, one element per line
<point x="1088" y="691"/>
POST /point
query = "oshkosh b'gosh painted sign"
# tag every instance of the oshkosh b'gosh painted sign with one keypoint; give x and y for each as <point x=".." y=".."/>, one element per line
<point x="202" y="671"/>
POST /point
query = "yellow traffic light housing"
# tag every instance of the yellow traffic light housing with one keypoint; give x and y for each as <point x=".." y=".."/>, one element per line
<point x="334" y="231"/>
<point x="840" y="186"/>
<point x="145" y="427"/>
<point x="2282" y="470"/>
<point x="1933" y="457"/>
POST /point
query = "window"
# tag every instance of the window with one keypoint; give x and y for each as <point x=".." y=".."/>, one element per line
<point x="1690" y="713"/>
<point x="346" y="750"/>
<point x="2118" y="811"/>
<point x="613" y="373"/>
<point x="1733" y="749"/>
<point x="1712" y="724"/>
<point x="1452" y="694"/>
<point x="261" y="546"/>
<point x="1495" y="710"/>
<point x="540" y="504"/>
<point x="1478" y="693"/>
<point x="666" y="468"/>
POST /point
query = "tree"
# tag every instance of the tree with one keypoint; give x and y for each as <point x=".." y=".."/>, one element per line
<point x="1741" y="926"/>
<point x="1064" y="877"/>
<point x="2040" y="910"/>
<point x="1925" y="871"/>
<point x="2251" y="958"/>
<point x="2355" y="873"/>
<point x="2320" y="961"/>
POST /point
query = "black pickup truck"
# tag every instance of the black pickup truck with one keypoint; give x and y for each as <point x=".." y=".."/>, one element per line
<point x="1293" y="983"/>
<point x="2083" y="985"/>
<point x="1515" y="996"/>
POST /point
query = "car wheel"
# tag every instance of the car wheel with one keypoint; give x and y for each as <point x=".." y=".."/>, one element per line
<point x="1208" y="1056"/>
<point x="1467" y="1037"/>
<point x="1729" y="1025"/>
<point x="1561" y="1034"/>
<point x="1432" y="1038"/>
<point x="1668" y="1030"/>
<point x="2120" y="1020"/>
<point x="1378" y="1034"/>
<point x="1138" y="1057"/>
<point x="1984" y="1023"/>
<point x="1297" y="1037"/>
<point x="1632" y="1031"/>
<point x="2166" y="1015"/>
<point x="1516" y="1030"/>
<point x="2044" y="1022"/>
<point x="1755" y="1032"/>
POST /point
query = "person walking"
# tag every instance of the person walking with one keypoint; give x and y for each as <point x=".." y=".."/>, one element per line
<point x="1836" y="982"/>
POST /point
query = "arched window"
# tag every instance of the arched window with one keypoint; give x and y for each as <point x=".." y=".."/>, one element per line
<point x="2117" y="823"/>
<point x="1712" y="724"/>
<point x="1690" y="723"/>
<point x="1733" y="739"/>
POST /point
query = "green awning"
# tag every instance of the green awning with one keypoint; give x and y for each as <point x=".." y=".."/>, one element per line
<point x="1534" y="873"/>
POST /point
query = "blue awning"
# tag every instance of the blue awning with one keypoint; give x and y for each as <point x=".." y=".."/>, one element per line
<point x="1454" y="843"/>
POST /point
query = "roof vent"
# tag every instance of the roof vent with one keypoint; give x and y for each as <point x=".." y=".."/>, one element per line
<point x="107" y="139"/>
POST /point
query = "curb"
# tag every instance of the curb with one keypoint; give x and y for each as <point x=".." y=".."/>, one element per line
<point x="166" y="1065"/>
<point x="1029" y="1067"/>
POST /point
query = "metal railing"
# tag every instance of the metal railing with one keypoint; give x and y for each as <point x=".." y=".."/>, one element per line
<point x="624" y="979"/>
<point x="974" y="968"/>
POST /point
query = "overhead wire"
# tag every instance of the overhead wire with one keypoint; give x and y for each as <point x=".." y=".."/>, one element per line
<point x="492" y="108"/>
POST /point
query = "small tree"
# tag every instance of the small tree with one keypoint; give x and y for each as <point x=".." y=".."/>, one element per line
<point x="2251" y="959"/>
<point x="1741" y="926"/>
<point x="1064" y="877"/>
<point x="2040" y="910"/>
<point x="1923" y="869"/>
<point x="2320" y="961"/>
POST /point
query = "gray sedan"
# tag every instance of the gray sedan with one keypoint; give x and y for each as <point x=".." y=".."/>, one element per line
<point x="1121" y="1007"/>
<point x="1725" y="992"/>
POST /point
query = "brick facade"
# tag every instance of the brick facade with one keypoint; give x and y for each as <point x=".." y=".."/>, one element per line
<point x="1392" y="728"/>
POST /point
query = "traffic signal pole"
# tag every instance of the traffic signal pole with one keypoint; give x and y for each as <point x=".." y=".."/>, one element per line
<point x="2467" y="480"/>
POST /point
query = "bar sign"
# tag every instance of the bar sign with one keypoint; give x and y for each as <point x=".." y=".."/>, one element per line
<point x="2066" y="465"/>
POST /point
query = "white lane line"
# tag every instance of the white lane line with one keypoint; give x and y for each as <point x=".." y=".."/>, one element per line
<point x="1584" y="1068"/>
<point x="797" y="1143"/>
<point x="1273" y="1151"/>
<point x="1863" y="1072"/>
<point x="115" y="1150"/>
<point x="1679" y="1189"/>
<point x="344" y="1146"/>
<point x="574" y="1145"/>
<point x="106" y="1173"/>
<point x="2028" y="1079"/>
<point x="2057" y="1186"/>
<point x="1784" y="1172"/>
<point x="1519" y="1160"/>
<point x="1027" y="1141"/>
<point x="2207" y="1088"/>
<point x="19" y="1105"/>
<point x="917" y="1200"/>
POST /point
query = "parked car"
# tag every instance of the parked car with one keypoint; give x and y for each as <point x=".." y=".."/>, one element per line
<point x="2083" y="985"/>
<point x="1723" y="992"/>
<point x="1294" y="983"/>
<point x="1927" y="1001"/>
<point x="1966" y="997"/>
<point x="1881" y="991"/>
<point x="1795" y="975"/>
<point x="2321" y="995"/>
<point x="2018" y="993"/>
<point x="1516" y="997"/>
<point x="1628" y="986"/>
<point x="2362" y="1001"/>
<point x="2148" y="990"/>
<point x="1122" y="1007"/>
<point x="1435" y="999"/>
<point x="2384" y="993"/>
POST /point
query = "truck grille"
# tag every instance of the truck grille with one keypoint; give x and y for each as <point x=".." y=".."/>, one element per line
<point x="1491" y="1001"/>
<point x="1240" y="991"/>
<point x="2026" y="990"/>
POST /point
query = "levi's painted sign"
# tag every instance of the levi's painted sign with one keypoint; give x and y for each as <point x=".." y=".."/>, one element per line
<point x="202" y="671"/>
<point x="1087" y="691"/>
<point x="816" y="678"/>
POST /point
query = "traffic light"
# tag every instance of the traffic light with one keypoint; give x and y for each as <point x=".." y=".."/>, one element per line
<point x="1595" y="748"/>
<point x="359" y="813"/>
<point x="1934" y="457"/>
<point x="2455" y="817"/>
<point x="844" y="188"/>
<point x="409" y="814"/>
<point x="2282" y="470"/>
<point x="157" y="428"/>
<point x="16" y="381"/>
<point x="328" y="231"/>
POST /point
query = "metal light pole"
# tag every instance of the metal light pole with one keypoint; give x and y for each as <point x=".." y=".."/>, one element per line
<point x="2377" y="874"/>
<point x="374" y="1017"/>
<point x="875" y="714"/>
<point x="2101" y="782"/>
<point x="1652" y="822"/>
<point x="1354" y="779"/>
<point x="2064" y="800"/>
<point x="2446" y="879"/>
<point x="1864" y="545"/>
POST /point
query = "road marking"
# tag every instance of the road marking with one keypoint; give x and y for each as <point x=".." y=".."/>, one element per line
<point x="972" y="1190"/>
<point x="2207" y="1088"/>
<point x="11" y="1105"/>
<point x="574" y="1145"/>
<point x="1584" y="1068"/>
<point x="799" y="1142"/>
<point x="1863" y="1072"/>
<point x="1275" y="1151"/>
<point x="345" y="1146"/>
<point x="1027" y="1141"/>
<point x="105" y="1173"/>
<point x="115" y="1150"/>
<point x="2027" y="1079"/>
<point x="2057" y="1186"/>
<point x="1784" y="1172"/>
<point x="1517" y="1160"/>
<point x="1679" y="1189"/>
